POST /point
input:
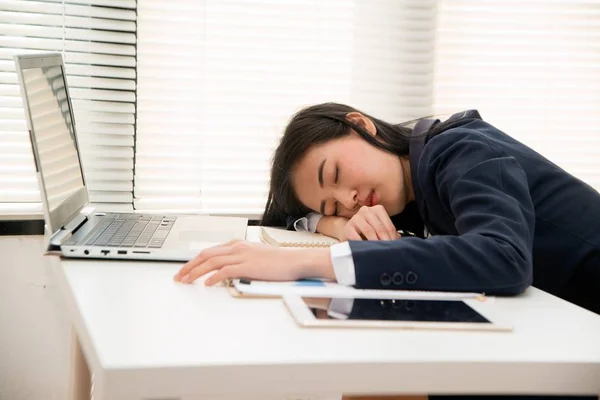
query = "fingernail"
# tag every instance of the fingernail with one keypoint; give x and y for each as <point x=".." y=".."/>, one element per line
<point x="185" y="279"/>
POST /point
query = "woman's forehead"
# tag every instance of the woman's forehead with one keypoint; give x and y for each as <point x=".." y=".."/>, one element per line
<point x="307" y="168"/>
<point x="323" y="150"/>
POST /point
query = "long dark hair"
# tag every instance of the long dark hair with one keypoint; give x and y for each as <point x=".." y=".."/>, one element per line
<point x="315" y="125"/>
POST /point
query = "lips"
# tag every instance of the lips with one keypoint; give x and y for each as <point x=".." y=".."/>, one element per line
<point x="371" y="200"/>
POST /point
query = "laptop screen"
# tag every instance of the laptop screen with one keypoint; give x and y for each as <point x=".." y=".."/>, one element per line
<point x="54" y="133"/>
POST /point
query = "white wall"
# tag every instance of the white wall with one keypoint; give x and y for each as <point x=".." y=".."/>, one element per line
<point x="34" y="327"/>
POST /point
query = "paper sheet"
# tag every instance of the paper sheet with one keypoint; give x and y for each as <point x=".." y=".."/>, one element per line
<point x="316" y="288"/>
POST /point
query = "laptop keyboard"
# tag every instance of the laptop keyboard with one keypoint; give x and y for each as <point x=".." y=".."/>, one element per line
<point x="130" y="230"/>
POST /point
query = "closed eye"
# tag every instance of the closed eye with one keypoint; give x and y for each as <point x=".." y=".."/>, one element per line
<point x="335" y="181"/>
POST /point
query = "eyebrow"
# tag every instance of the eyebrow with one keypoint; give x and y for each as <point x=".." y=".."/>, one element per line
<point x="321" y="172"/>
<point x="321" y="184"/>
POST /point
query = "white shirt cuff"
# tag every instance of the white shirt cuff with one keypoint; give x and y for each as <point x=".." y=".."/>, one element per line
<point x="340" y="308"/>
<point x="308" y="223"/>
<point x="343" y="264"/>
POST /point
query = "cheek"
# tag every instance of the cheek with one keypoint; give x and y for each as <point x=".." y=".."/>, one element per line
<point x="307" y="193"/>
<point x="304" y="195"/>
<point x="347" y="213"/>
<point x="353" y="173"/>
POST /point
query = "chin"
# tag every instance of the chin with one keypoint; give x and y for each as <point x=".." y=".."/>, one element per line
<point x="389" y="210"/>
<point x="395" y="209"/>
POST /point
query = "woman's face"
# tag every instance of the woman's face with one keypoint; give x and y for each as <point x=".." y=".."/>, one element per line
<point x="340" y="176"/>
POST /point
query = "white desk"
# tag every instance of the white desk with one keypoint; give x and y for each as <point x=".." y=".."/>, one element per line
<point x="146" y="337"/>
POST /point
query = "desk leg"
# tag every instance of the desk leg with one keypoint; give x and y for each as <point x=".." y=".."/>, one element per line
<point x="79" y="377"/>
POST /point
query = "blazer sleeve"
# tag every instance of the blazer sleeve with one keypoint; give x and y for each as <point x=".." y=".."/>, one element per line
<point x="486" y="193"/>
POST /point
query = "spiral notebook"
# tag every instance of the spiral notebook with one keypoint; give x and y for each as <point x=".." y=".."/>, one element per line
<point x="281" y="237"/>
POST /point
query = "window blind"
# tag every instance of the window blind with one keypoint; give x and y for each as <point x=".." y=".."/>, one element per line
<point x="218" y="81"/>
<point x="97" y="39"/>
<point x="532" y="68"/>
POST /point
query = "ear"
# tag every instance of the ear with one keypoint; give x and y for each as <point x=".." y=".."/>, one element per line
<point x="362" y="121"/>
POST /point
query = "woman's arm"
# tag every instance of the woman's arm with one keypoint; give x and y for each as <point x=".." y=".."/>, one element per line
<point x="486" y="192"/>
<point x="332" y="226"/>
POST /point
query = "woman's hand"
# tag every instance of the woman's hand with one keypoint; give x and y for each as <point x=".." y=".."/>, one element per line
<point x="242" y="259"/>
<point x="371" y="223"/>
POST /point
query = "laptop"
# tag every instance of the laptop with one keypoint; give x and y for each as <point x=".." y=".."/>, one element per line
<point x="75" y="228"/>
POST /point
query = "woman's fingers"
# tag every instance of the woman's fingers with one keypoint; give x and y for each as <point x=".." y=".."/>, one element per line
<point x="365" y="229"/>
<point x="387" y="223"/>
<point x="371" y="223"/>
<point x="351" y="232"/>
<point x="228" y="272"/>
<point x="204" y="255"/>
<point x="210" y="264"/>
<point x="374" y="221"/>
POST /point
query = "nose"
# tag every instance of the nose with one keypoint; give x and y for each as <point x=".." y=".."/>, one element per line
<point x="348" y="198"/>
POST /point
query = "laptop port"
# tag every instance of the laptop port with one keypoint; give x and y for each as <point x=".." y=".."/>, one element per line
<point x="86" y="252"/>
<point x="105" y="252"/>
<point x="121" y="251"/>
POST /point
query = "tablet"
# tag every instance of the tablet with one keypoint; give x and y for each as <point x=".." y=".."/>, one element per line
<point x="346" y="312"/>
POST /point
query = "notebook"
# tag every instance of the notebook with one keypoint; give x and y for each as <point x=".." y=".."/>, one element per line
<point x="281" y="237"/>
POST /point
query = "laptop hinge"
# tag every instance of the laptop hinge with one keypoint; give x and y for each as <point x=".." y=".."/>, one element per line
<point x="75" y="223"/>
<point x="59" y="238"/>
<point x="68" y="230"/>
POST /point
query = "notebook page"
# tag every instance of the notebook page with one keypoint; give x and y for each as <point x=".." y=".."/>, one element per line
<point x="284" y="238"/>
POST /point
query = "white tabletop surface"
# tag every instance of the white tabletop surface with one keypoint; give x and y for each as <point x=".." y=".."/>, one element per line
<point x="146" y="336"/>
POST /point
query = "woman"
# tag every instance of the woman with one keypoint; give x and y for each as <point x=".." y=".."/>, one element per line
<point x="496" y="215"/>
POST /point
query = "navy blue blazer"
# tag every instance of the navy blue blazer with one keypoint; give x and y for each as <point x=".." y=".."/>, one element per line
<point x="501" y="215"/>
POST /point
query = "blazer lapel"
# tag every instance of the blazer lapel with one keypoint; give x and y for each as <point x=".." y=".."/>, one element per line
<point x="417" y="143"/>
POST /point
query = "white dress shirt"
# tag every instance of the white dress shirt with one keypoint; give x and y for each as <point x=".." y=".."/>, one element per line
<point x="340" y="308"/>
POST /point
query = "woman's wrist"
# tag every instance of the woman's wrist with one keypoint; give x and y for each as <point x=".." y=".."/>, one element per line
<point x="332" y="226"/>
<point x="315" y="263"/>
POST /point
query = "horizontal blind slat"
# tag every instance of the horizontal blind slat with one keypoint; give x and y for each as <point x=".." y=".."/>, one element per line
<point x="45" y="7"/>
<point x="74" y="34"/>
<point x="37" y="19"/>
<point x="68" y="45"/>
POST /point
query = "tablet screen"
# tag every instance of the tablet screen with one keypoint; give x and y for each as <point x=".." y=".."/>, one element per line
<point x="394" y="310"/>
